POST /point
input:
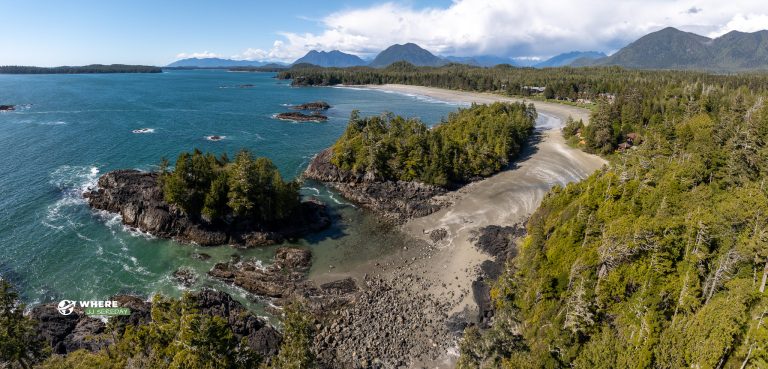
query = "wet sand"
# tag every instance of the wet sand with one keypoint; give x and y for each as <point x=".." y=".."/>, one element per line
<point x="451" y="264"/>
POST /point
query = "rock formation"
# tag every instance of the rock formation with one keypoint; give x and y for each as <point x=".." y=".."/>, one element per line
<point x="395" y="200"/>
<point x="138" y="198"/>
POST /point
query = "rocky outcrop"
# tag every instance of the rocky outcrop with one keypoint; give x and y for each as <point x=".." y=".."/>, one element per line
<point x="499" y="242"/>
<point x="301" y="117"/>
<point x="285" y="280"/>
<point x="279" y="280"/>
<point x="68" y="333"/>
<point x="314" y="106"/>
<point x="138" y="198"/>
<point x="395" y="200"/>
<point x="7" y="108"/>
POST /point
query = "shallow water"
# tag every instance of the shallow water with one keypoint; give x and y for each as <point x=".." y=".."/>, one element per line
<point x="69" y="129"/>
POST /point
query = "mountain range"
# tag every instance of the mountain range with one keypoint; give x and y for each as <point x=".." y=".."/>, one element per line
<point x="668" y="48"/>
<point x="215" y="63"/>
<point x="671" y="48"/>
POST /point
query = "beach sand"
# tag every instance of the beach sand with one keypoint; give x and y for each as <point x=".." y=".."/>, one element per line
<point x="511" y="196"/>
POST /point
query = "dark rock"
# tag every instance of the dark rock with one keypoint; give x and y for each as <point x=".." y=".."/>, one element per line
<point x="138" y="198"/>
<point x="499" y="241"/>
<point x="301" y="117"/>
<point x="68" y="333"/>
<point x="395" y="200"/>
<point x="317" y="105"/>
<point x="342" y="286"/>
<point x="7" y="107"/>
<point x="279" y="280"/>
<point x="261" y="337"/>
<point x="438" y="235"/>
<point x="285" y="279"/>
<point x="201" y="256"/>
<point x="185" y="276"/>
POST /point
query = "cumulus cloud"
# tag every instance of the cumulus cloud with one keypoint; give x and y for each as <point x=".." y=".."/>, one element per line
<point x="515" y="28"/>
<point x="202" y="55"/>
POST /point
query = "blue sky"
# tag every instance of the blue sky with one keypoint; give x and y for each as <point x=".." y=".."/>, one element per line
<point x="157" y="32"/>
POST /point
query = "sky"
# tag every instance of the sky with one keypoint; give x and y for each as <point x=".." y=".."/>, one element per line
<point x="78" y="32"/>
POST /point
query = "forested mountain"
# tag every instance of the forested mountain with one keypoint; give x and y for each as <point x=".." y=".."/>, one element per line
<point x="568" y="58"/>
<point x="671" y="48"/>
<point x="214" y="63"/>
<point x="333" y="58"/>
<point x="410" y="53"/>
<point x="480" y="60"/>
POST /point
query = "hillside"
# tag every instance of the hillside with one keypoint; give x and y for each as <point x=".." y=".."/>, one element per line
<point x="671" y="48"/>
<point x="333" y="58"/>
<point x="567" y="58"/>
<point x="214" y="63"/>
<point x="409" y="52"/>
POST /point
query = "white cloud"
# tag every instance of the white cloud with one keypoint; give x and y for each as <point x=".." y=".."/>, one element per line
<point x="743" y="23"/>
<point x="515" y="28"/>
<point x="202" y="55"/>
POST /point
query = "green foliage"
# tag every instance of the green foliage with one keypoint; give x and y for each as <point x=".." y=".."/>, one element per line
<point x="178" y="337"/>
<point x="247" y="188"/>
<point x="298" y="334"/>
<point x="655" y="261"/>
<point x="473" y="142"/>
<point x="19" y="345"/>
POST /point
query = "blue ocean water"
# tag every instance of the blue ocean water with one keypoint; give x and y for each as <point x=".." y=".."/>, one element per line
<point x="69" y="129"/>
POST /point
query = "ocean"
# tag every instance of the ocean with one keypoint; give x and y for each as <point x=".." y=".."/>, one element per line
<point x="70" y="129"/>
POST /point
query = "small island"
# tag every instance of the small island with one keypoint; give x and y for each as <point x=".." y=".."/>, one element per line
<point x="7" y="107"/>
<point x="399" y="167"/>
<point x="209" y="201"/>
<point x="301" y="117"/>
<point x="313" y="106"/>
<point x="87" y="69"/>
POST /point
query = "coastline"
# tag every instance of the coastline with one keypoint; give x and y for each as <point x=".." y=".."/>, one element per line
<point x="449" y="266"/>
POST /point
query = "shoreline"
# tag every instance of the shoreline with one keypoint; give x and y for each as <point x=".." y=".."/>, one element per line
<point x="450" y="265"/>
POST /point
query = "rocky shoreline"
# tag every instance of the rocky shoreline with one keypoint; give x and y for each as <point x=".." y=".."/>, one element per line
<point x="301" y="117"/>
<point x="68" y="333"/>
<point x="137" y="196"/>
<point x="394" y="200"/>
<point x="284" y="280"/>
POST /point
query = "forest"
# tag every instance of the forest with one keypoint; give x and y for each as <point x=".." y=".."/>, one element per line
<point x="471" y="143"/>
<point x="87" y="69"/>
<point x="659" y="260"/>
<point x="220" y="190"/>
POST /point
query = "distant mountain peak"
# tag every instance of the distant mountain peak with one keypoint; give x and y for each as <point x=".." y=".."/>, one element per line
<point x="408" y="52"/>
<point x="568" y="58"/>
<point x="333" y="58"/>
<point x="671" y="48"/>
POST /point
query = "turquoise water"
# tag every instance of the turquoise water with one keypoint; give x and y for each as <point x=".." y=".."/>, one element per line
<point x="69" y="129"/>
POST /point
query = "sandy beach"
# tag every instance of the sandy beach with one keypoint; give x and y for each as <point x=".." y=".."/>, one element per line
<point x="449" y="266"/>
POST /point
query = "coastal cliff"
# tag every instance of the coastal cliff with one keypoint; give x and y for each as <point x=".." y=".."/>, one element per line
<point x="68" y="333"/>
<point x="138" y="197"/>
<point x="395" y="200"/>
